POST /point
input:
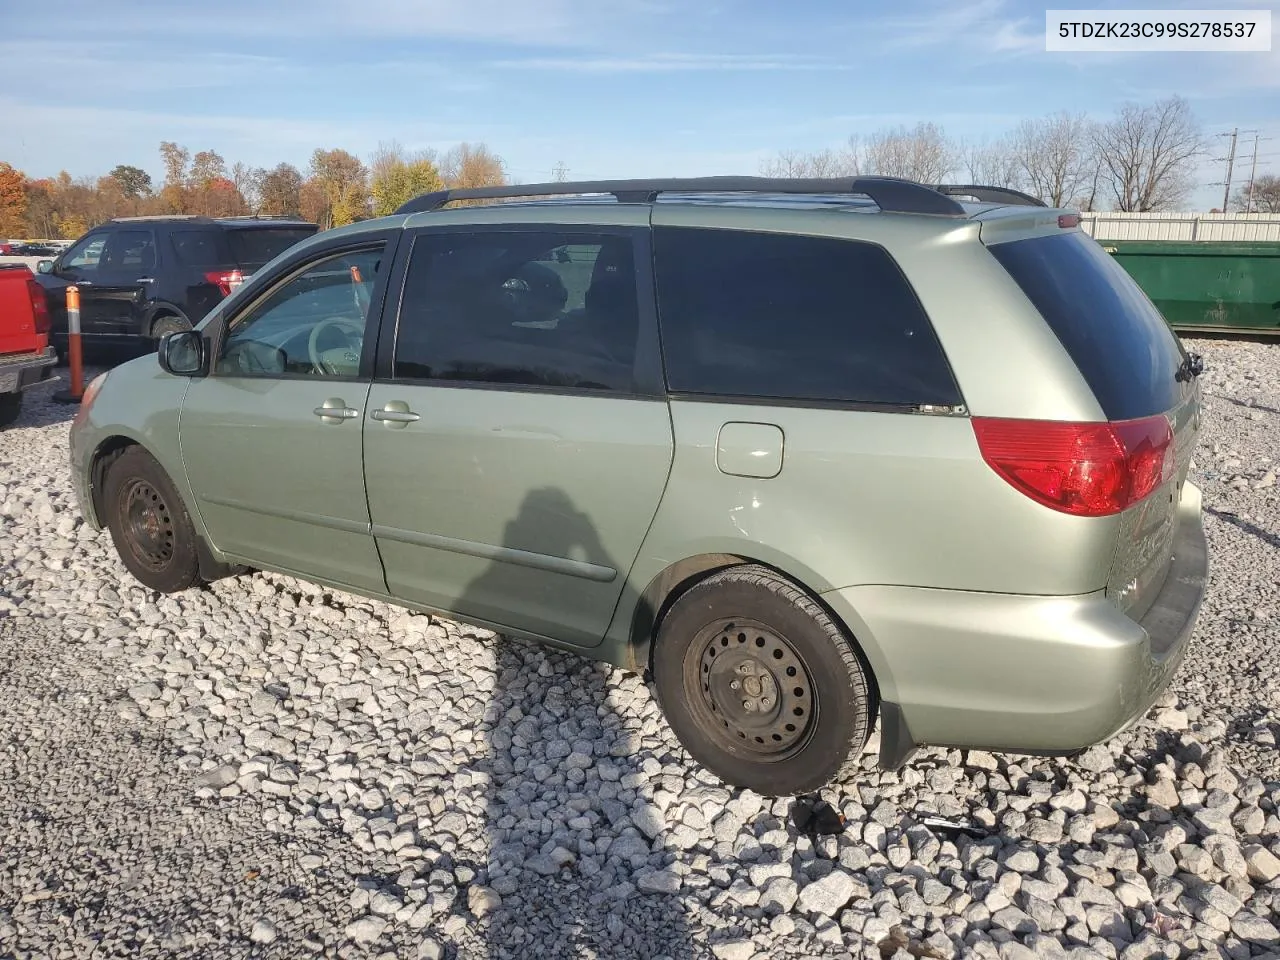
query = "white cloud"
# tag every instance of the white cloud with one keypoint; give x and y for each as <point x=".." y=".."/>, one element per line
<point x="977" y="27"/>
<point x="671" y="63"/>
<point x="544" y="23"/>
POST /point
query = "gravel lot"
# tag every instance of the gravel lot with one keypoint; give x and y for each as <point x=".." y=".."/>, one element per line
<point x="267" y="768"/>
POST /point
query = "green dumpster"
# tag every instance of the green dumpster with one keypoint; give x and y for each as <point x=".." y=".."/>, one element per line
<point x="1207" y="286"/>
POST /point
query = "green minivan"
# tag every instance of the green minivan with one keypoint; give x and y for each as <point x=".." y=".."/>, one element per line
<point x="814" y="454"/>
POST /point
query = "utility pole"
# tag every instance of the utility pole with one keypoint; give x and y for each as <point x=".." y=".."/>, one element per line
<point x="1253" y="171"/>
<point x="1231" y="162"/>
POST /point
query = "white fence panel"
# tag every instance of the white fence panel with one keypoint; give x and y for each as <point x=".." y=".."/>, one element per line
<point x="1220" y="227"/>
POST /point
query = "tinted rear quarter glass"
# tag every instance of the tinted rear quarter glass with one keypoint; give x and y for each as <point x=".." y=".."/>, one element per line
<point x="794" y="318"/>
<point x="254" y="246"/>
<point x="1124" y="349"/>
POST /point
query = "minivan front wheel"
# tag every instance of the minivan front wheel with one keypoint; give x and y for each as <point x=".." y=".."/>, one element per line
<point x="149" y="524"/>
<point x="759" y="683"/>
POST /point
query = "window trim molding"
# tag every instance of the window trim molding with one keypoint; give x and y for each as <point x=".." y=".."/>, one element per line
<point x="294" y="267"/>
<point x="649" y="380"/>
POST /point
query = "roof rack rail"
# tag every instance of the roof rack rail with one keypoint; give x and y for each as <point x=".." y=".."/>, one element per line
<point x="990" y="194"/>
<point x="202" y="218"/>
<point x="890" y="194"/>
<point x="263" y="216"/>
<point x="160" y="216"/>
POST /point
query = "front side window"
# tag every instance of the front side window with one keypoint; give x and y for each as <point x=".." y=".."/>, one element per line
<point x="533" y="308"/>
<point x="794" y="318"/>
<point x="86" y="253"/>
<point x="312" y="325"/>
<point x="128" y="250"/>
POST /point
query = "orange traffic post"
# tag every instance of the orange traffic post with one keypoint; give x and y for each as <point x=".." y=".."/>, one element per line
<point x="73" y="342"/>
<point x="75" y="389"/>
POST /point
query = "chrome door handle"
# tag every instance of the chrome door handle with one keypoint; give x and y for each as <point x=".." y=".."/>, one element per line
<point x="145" y="280"/>
<point x="395" y="413"/>
<point x="335" y="411"/>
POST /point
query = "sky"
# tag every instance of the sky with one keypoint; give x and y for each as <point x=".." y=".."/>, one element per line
<point x="609" y="88"/>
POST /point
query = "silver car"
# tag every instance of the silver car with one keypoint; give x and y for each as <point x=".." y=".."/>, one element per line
<point x="818" y="454"/>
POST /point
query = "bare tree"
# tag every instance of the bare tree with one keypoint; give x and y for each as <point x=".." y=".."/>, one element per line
<point x="1055" y="156"/>
<point x="1148" y="153"/>
<point x="923" y="153"/>
<point x="1265" y="195"/>
<point x="206" y="167"/>
<point x="176" y="158"/>
<point x="823" y="163"/>
<point x="990" y="163"/>
<point x="248" y="180"/>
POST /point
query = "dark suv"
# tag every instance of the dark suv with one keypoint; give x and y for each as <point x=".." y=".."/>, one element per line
<point x="143" y="277"/>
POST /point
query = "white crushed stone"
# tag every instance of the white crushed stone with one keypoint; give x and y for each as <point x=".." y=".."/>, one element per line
<point x="270" y="765"/>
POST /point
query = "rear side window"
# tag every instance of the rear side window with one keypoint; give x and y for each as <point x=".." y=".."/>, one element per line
<point x="200" y="248"/>
<point x="254" y="247"/>
<point x="1123" y="347"/>
<point x="774" y="316"/>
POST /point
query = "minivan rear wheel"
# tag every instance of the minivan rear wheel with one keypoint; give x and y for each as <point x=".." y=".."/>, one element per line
<point x="761" y="685"/>
<point x="149" y="523"/>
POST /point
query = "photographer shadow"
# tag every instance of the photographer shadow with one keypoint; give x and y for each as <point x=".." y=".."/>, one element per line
<point x="576" y="845"/>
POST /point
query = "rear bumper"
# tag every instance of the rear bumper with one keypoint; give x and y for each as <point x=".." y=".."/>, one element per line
<point x="30" y="368"/>
<point x="1023" y="674"/>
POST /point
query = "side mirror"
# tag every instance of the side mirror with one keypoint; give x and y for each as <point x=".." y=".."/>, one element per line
<point x="44" y="266"/>
<point x="183" y="354"/>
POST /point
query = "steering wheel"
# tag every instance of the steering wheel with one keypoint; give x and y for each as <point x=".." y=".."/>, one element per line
<point x="326" y="362"/>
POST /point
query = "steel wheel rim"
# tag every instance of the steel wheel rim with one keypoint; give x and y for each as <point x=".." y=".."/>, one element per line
<point x="147" y="524"/>
<point x="750" y="689"/>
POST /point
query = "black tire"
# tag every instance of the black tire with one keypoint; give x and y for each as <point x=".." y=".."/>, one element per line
<point x="149" y="523"/>
<point x="10" y="407"/>
<point x="166" y="324"/>
<point x="811" y="700"/>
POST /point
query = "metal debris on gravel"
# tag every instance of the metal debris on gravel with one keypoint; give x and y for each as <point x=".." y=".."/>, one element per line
<point x="268" y="768"/>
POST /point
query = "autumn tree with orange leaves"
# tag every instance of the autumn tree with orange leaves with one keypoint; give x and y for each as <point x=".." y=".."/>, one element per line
<point x="13" y="202"/>
<point x="337" y="188"/>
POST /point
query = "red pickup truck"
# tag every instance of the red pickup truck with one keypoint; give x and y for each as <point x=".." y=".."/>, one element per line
<point x="25" y="354"/>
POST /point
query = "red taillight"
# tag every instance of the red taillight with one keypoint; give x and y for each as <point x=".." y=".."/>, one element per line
<point x="39" y="307"/>
<point x="1085" y="469"/>
<point x="1067" y="220"/>
<point x="225" y="280"/>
